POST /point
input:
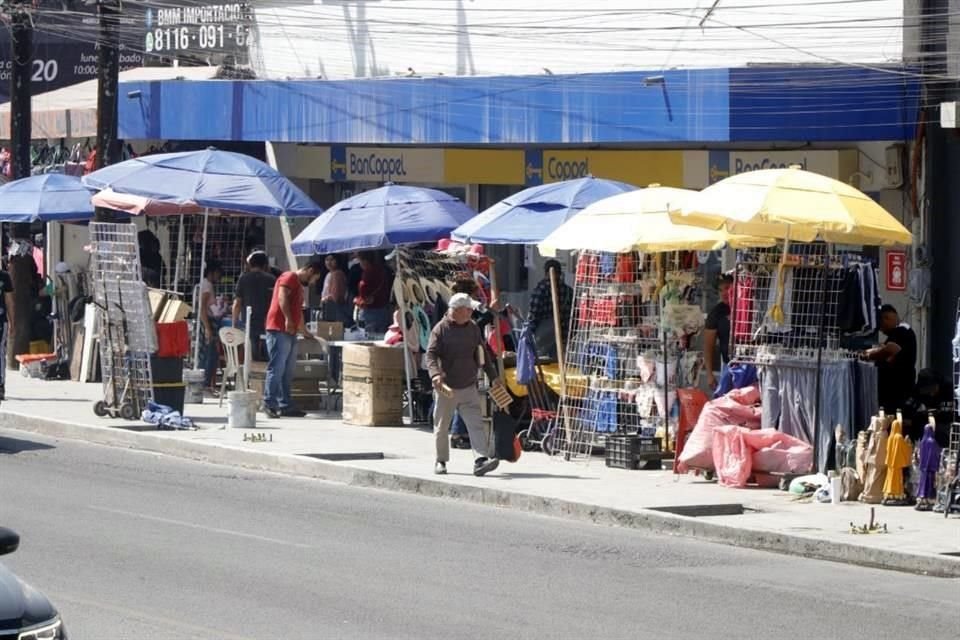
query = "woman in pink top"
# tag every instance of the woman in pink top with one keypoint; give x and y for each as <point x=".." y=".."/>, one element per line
<point x="334" y="297"/>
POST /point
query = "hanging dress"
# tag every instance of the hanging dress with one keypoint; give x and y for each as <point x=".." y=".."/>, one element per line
<point x="899" y="455"/>
<point x="875" y="463"/>
<point x="929" y="464"/>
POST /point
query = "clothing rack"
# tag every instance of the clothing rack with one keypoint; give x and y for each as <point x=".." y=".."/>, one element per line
<point x="786" y="303"/>
<point x="628" y="350"/>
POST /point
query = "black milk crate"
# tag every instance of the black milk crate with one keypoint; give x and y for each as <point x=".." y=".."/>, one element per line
<point x="627" y="451"/>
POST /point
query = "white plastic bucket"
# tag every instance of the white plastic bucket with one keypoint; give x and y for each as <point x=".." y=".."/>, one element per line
<point x="243" y="409"/>
<point x="193" y="379"/>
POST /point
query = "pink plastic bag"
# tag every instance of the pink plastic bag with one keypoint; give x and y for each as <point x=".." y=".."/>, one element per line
<point x="776" y="452"/>
<point x="735" y="408"/>
<point x="732" y="456"/>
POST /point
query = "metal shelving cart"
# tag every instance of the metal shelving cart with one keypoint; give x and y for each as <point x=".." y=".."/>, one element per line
<point x="126" y="332"/>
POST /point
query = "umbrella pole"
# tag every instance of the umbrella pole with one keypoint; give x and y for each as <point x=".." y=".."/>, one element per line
<point x="197" y="302"/>
<point x="179" y="257"/>
<point x="666" y="374"/>
<point x="817" y="405"/>
<point x="408" y="361"/>
<point x="557" y="331"/>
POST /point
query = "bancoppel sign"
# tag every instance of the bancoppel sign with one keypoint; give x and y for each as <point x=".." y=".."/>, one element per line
<point x="839" y="165"/>
<point x="386" y="164"/>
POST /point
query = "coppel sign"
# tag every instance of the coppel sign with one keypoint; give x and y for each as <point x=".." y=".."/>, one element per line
<point x="559" y="169"/>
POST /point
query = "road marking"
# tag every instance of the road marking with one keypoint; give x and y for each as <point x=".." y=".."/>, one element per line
<point x="143" y="616"/>
<point x="193" y="525"/>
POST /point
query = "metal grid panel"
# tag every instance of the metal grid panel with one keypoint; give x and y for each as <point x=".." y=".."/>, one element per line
<point x="628" y="348"/>
<point x="127" y="334"/>
<point x="789" y="304"/>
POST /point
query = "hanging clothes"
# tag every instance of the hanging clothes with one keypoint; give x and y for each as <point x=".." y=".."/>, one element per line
<point x="899" y="455"/>
<point x="875" y="463"/>
<point x="743" y="310"/>
<point x="929" y="464"/>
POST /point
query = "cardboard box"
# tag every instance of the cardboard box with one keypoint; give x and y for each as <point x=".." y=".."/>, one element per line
<point x="373" y="405"/>
<point x="175" y="311"/>
<point x="383" y="360"/>
<point x="158" y="300"/>
<point x="330" y="330"/>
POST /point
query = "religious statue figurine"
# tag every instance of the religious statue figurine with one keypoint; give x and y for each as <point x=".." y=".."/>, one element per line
<point x="929" y="465"/>
<point x="899" y="455"/>
<point x="875" y="462"/>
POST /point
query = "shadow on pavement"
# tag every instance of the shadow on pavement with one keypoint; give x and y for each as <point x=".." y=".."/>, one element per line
<point x="16" y="445"/>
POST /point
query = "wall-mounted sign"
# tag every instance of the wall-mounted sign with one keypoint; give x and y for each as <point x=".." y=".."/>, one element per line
<point x="896" y="271"/>
<point x="197" y="30"/>
<point x="65" y="48"/>
<point x="386" y="164"/>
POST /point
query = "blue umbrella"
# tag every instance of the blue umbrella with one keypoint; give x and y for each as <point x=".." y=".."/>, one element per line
<point x="212" y="179"/>
<point x="531" y="215"/>
<point x="386" y="217"/>
<point x="50" y="197"/>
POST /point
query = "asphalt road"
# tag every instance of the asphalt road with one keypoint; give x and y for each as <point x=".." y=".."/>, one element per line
<point x="134" y="545"/>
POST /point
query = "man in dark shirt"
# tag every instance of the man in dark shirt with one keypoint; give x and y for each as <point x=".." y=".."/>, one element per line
<point x="896" y="361"/>
<point x="254" y="290"/>
<point x="716" y="334"/>
<point x="541" y="310"/>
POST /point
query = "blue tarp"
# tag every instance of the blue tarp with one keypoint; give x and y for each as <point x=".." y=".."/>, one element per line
<point x="531" y="215"/>
<point x="224" y="180"/>
<point x="383" y="218"/>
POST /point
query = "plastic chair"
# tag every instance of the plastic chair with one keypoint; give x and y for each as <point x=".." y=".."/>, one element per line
<point x="232" y="340"/>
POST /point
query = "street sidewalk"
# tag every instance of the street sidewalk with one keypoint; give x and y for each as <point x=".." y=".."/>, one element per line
<point x="655" y="501"/>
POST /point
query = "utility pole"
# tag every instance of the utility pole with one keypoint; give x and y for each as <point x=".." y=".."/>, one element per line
<point x="108" y="75"/>
<point x="22" y="267"/>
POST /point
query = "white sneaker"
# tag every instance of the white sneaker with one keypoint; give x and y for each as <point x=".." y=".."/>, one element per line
<point x="440" y="469"/>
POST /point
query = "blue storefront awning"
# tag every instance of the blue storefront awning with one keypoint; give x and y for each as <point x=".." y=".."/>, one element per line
<point x="795" y="103"/>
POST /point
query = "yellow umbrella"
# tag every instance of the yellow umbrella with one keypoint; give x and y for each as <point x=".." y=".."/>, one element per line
<point x="793" y="204"/>
<point x="640" y="221"/>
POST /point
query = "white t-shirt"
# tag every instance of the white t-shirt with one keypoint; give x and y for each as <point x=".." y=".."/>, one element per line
<point x="213" y="308"/>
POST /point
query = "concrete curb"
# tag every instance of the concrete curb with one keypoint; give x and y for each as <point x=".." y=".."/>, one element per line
<point x="646" y="520"/>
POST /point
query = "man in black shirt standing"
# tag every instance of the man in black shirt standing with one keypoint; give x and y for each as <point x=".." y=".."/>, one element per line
<point x="716" y="333"/>
<point x="896" y="361"/>
<point x="255" y="290"/>
<point x="6" y="325"/>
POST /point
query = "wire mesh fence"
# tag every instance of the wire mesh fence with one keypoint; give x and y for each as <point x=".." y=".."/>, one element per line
<point x="793" y="302"/>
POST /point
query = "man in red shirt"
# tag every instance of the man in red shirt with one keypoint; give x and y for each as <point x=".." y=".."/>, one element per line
<point x="373" y="300"/>
<point x="284" y="323"/>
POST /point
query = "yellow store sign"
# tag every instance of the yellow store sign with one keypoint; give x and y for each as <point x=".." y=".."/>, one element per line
<point x="639" y="168"/>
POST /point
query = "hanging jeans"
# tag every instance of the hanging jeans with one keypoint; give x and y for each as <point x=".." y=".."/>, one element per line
<point x="788" y="401"/>
<point x="282" y="350"/>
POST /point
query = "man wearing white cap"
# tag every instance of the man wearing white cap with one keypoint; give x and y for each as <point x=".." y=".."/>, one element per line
<point x="455" y="352"/>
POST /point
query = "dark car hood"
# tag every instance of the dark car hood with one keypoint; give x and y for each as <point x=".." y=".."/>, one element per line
<point x="20" y="604"/>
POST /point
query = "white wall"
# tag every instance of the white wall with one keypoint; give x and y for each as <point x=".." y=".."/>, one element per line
<point x="366" y="38"/>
